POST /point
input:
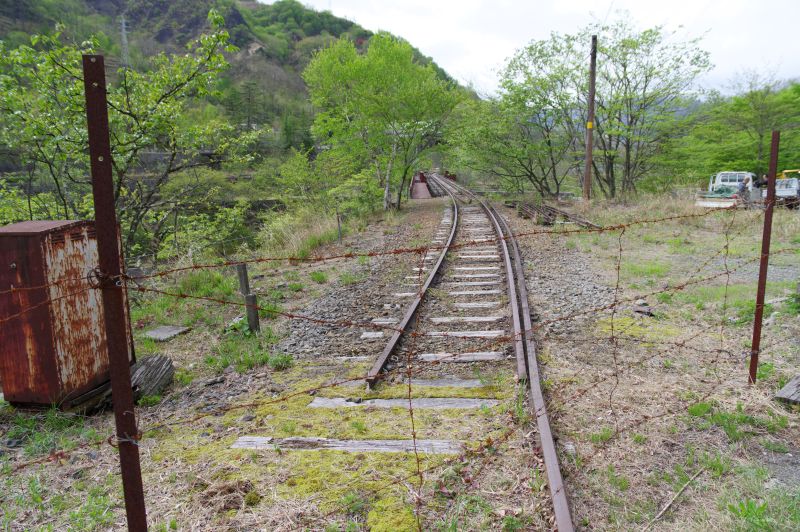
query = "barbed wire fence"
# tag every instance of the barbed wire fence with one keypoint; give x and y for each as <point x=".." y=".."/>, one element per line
<point x="721" y="354"/>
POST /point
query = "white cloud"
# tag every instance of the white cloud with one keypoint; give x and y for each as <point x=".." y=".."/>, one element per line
<point x="471" y="39"/>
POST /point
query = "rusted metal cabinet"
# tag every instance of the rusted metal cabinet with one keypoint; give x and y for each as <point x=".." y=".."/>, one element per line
<point x="53" y="350"/>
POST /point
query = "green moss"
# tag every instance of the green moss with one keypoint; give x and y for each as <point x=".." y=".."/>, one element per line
<point x="293" y="417"/>
<point x="329" y="475"/>
<point x="636" y="328"/>
<point x="391" y="515"/>
<point x="252" y="498"/>
<point x="400" y="391"/>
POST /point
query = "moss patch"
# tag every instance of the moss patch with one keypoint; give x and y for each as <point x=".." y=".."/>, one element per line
<point x="637" y="328"/>
<point x="391" y="515"/>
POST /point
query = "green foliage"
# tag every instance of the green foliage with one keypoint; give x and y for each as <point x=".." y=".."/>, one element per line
<point x="533" y="133"/>
<point x="149" y="400"/>
<point x="49" y="431"/>
<point x="242" y="352"/>
<point x="700" y="409"/>
<point x="319" y="277"/>
<point x="94" y="513"/>
<point x="382" y="107"/>
<point x="252" y="498"/>
<point x="280" y="361"/>
<point x="44" y="122"/>
<point x="754" y="514"/>
<point x="792" y="306"/>
<point x="735" y="423"/>
<point x="207" y="283"/>
<point x="603" y="436"/>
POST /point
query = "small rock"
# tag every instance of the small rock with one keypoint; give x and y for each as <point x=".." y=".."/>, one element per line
<point x="260" y="375"/>
<point x="248" y="417"/>
<point x="215" y="380"/>
<point x="640" y="303"/>
<point x="13" y="443"/>
<point x="569" y="448"/>
<point x="92" y="455"/>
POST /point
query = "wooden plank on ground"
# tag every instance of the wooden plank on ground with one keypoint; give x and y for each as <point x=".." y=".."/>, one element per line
<point x="353" y="446"/>
<point x="791" y="392"/>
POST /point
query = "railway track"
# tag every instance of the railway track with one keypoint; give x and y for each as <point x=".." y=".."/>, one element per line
<point x="549" y="214"/>
<point x="468" y="292"/>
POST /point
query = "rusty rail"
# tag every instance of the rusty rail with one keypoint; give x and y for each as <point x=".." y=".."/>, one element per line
<point x="519" y="300"/>
<point x="377" y="368"/>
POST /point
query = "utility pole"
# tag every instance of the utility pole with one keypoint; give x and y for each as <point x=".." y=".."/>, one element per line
<point x="587" y="169"/>
<point x="126" y="58"/>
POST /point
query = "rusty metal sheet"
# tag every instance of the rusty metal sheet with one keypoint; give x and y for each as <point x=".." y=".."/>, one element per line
<point x="57" y="350"/>
<point x="77" y="319"/>
<point x="26" y="356"/>
<point x="32" y="227"/>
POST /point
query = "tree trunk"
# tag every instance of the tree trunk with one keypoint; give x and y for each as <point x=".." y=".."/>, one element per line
<point x="387" y="190"/>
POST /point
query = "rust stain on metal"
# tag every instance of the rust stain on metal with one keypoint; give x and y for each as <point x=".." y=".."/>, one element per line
<point x="57" y="350"/>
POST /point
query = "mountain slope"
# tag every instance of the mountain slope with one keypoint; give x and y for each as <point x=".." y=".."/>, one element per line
<point x="275" y="43"/>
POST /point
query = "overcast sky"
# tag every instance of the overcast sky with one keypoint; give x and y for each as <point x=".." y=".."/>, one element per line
<point x="471" y="39"/>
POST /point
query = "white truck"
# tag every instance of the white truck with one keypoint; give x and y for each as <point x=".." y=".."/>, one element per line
<point x="730" y="180"/>
<point x="723" y="189"/>
<point x="787" y="192"/>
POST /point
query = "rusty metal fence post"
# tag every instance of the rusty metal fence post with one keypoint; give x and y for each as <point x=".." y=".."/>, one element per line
<point x="764" y="265"/>
<point x="110" y="279"/>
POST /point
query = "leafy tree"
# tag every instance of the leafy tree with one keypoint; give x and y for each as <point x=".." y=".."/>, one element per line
<point x="758" y="108"/>
<point x="733" y="133"/>
<point x="527" y="135"/>
<point x="381" y="106"/>
<point x="643" y="80"/>
<point x="152" y="135"/>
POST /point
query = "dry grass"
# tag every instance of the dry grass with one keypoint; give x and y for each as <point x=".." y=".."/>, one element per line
<point x="673" y="398"/>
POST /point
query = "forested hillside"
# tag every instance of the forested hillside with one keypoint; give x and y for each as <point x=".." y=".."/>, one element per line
<point x="216" y="143"/>
<point x="263" y="85"/>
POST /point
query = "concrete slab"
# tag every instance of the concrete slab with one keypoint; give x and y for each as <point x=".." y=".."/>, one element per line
<point x="371" y="335"/>
<point x="477" y="304"/>
<point x="474" y="293"/>
<point x="466" y="334"/>
<point x="471" y="283"/>
<point x="426" y="402"/>
<point x="352" y="446"/>
<point x="450" y="383"/>
<point x="165" y="332"/>
<point x="480" y="356"/>
<point x="466" y="319"/>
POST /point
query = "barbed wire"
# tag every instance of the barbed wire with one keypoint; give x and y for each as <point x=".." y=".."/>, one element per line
<point x="415" y="366"/>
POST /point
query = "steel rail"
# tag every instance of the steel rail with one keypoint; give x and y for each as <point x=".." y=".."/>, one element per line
<point x="525" y="335"/>
<point x="519" y="349"/>
<point x="555" y="480"/>
<point x="374" y="373"/>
